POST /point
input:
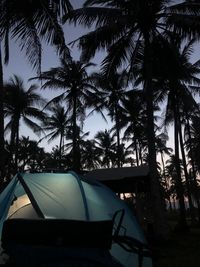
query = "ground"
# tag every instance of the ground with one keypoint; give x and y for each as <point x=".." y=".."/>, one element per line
<point x="181" y="250"/>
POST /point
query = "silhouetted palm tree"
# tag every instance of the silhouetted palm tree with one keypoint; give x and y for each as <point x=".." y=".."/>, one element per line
<point x="80" y="136"/>
<point x="106" y="144"/>
<point x="21" y="104"/>
<point x="121" y="26"/>
<point x="111" y="91"/>
<point x="134" y="123"/>
<point x="73" y="79"/>
<point x="179" y="82"/>
<point x="56" y="124"/>
<point x="31" y="156"/>
<point x="192" y="130"/>
<point x="90" y="155"/>
<point x="28" y="23"/>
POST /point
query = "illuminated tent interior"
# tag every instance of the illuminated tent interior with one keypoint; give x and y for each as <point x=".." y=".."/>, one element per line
<point x="68" y="218"/>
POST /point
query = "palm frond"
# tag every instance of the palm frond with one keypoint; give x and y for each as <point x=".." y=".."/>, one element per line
<point x="34" y="126"/>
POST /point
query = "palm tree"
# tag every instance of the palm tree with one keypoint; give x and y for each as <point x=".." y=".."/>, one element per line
<point x="29" y="23"/>
<point x="161" y="141"/>
<point x="161" y="148"/>
<point x="106" y="144"/>
<point x="134" y="122"/>
<point x="171" y="174"/>
<point x="73" y="79"/>
<point x="3" y="159"/>
<point x="121" y="27"/>
<point x="80" y="136"/>
<point x="56" y="124"/>
<point x="192" y="129"/>
<point x="52" y="159"/>
<point x="192" y="138"/>
<point x="21" y="104"/>
<point x="110" y="96"/>
<point x="31" y="156"/>
<point x="179" y="82"/>
<point x="90" y="155"/>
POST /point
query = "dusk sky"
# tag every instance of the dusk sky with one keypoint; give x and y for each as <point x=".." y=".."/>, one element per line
<point x="19" y="65"/>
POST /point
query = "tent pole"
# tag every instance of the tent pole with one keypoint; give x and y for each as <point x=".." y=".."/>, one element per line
<point x="31" y="197"/>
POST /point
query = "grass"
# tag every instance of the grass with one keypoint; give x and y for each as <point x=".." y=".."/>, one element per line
<point x="181" y="250"/>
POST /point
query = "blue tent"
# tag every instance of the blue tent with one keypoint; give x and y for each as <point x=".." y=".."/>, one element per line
<point x="58" y="214"/>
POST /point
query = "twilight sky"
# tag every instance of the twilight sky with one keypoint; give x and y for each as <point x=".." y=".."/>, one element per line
<point x="18" y="64"/>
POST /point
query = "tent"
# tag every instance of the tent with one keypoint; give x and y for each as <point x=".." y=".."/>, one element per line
<point x="48" y="218"/>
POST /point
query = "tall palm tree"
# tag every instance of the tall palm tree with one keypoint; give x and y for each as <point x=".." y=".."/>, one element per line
<point x="176" y="76"/>
<point x="73" y="79"/>
<point x="3" y="159"/>
<point x="171" y="174"/>
<point x="192" y="129"/>
<point x="134" y="122"/>
<point x="90" y="155"/>
<point x="121" y="26"/>
<point x="110" y="95"/>
<point x="29" y="23"/>
<point x="180" y="81"/>
<point x="106" y="144"/>
<point x="56" y="124"/>
<point x="31" y="156"/>
<point x="80" y="141"/>
<point x="161" y="147"/>
<point x="21" y="104"/>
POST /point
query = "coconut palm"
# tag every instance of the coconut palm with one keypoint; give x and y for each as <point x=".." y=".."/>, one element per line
<point x="90" y="155"/>
<point x="21" y="104"/>
<point x="72" y="78"/>
<point x="56" y="124"/>
<point x="121" y="26"/>
<point x="192" y="127"/>
<point x="171" y="175"/>
<point x="161" y="141"/>
<point x="192" y="141"/>
<point x="111" y="91"/>
<point x="31" y="156"/>
<point x="80" y="142"/>
<point x="29" y="23"/>
<point x="175" y="77"/>
<point x="180" y="82"/>
<point x="134" y="121"/>
<point x="106" y="144"/>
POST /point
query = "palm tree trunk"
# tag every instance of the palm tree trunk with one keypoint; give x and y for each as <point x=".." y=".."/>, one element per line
<point x="17" y="145"/>
<point x="160" y="225"/>
<point x="76" y="158"/>
<point x="140" y="154"/>
<point x="193" y="167"/>
<point x="12" y="147"/>
<point x="136" y="150"/>
<point x="118" y="136"/>
<point x="174" y="202"/>
<point x="191" y="207"/>
<point x="165" y="179"/>
<point x="179" y="187"/>
<point x="60" y="150"/>
<point x="2" y="154"/>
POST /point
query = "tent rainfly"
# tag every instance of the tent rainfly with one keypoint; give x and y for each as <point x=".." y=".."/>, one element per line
<point x="63" y="219"/>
